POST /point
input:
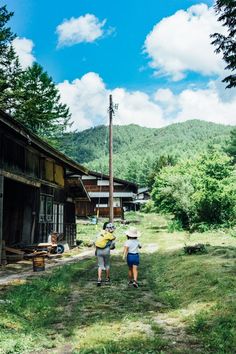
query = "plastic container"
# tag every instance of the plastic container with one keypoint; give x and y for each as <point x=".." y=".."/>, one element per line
<point x="94" y="220"/>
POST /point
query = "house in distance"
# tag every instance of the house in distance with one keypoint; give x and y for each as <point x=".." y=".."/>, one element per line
<point x="97" y="187"/>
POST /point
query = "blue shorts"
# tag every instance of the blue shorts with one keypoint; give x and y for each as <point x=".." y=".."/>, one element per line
<point x="132" y="259"/>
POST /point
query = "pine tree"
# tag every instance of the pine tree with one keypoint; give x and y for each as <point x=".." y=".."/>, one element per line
<point x="10" y="69"/>
<point x="226" y="9"/>
<point x="231" y="148"/>
<point x="39" y="106"/>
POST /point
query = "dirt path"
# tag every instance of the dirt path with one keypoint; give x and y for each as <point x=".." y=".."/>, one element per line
<point x="151" y="315"/>
<point x="21" y="273"/>
<point x="174" y="331"/>
<point x="127" y="312"/>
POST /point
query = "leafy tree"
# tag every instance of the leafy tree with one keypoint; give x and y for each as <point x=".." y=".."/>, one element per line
<point x="215" y="195"/>
<point x="161" y="162"/>
<point x="132" y="170"/>
<point x="226" y="9"/>
<point x="10" y="68"/>
<point x="173" y="192"/>
<point x="198" y="191"/>
<point x="231" y="148"/>
<point x="39" y="106"/>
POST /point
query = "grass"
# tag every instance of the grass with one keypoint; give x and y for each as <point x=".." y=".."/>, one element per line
<point x="194" y="292"/>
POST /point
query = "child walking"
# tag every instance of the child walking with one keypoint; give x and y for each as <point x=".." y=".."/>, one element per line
<point x="103" y="245"/>
<point x="131" y="253"/>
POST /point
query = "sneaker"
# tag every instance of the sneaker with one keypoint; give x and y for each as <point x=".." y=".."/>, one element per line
<point x="130" y="283"/>
<point x="99" y="282"/>
<point x="135" y="284"/>
<point x="107" y="281"/>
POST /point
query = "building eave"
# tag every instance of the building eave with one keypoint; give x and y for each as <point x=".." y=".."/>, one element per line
<point x="39" y="143"/>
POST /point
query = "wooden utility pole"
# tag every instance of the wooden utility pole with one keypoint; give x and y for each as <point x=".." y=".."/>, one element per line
<point x="111" y="210"/>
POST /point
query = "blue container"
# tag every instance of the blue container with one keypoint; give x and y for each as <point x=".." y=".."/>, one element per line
<point x="94" y="220"/>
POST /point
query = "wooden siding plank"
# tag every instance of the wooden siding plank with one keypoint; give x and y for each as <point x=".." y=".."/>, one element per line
<point x="49" y="170"/>
<point x="59" y="175"/>
<point x="21" y="179"/>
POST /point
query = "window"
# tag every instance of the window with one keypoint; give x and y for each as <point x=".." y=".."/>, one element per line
<point x="49" y="204"/>
<point x="58" y="217"/>
<point x="46" y="211"/>
<point x="116" y="202"/>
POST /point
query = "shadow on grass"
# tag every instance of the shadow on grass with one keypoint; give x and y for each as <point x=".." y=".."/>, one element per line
<point x="157" y="228"/>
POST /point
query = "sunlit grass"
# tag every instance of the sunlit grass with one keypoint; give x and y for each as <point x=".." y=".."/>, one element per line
<point x="195" y="292"/>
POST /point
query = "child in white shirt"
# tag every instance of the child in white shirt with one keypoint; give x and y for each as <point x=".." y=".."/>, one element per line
<point x="131" y="253"/>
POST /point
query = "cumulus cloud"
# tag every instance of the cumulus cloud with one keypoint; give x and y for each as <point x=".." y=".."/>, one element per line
<point x="88" y="97"/>
<point x="88" y="101"/>
<point x="137" y="108"/>
<point x="204" y="104"/>
<point x="23" y="48"/>
<point x="182" y="43"/>
<point x="85" y="28"/>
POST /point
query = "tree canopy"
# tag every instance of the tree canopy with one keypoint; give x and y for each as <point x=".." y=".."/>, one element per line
<point x="10" y="69"/>
<point x="198" y="192"/>
<point x="139" y="153"/>
<point x="38" y="105"/>
<point x="226" y="9"/>
<point x="30" y="95"/>
<point x="231" y="147"/>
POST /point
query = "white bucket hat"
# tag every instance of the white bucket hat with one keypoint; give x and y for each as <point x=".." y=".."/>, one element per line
<point x="132" y="232"/>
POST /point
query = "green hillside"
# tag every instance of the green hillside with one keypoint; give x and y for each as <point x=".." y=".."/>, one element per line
<point x="136" y="148"/>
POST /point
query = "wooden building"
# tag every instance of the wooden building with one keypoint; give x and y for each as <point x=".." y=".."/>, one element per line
<point x="35" y="197"/>
<point x="97" y="187"/>
<point x="142" y="197"/>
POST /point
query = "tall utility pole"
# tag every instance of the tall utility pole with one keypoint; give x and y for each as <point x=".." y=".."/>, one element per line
<point x="111" y="210"/>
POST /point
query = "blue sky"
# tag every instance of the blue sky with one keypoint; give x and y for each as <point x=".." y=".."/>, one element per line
<point x="154" y="56"/>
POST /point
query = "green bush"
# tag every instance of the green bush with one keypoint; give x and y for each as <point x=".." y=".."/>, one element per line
<point x="149" y="207"/>
<point x="198" y="192"/>
<point x="174" y="225"/>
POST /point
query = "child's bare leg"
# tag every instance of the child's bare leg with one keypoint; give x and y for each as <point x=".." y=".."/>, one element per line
<point x="108" y="273"/>
<point x="99" y="273"/>
<point x="130" y="273"/>
<point x="135" y="272"/>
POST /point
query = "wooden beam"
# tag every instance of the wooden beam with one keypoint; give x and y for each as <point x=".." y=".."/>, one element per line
<point x="21" y="179"/>
<point x="14" y="250"/>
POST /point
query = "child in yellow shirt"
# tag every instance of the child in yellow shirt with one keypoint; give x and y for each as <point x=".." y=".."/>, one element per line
<point x="103" y="244"/>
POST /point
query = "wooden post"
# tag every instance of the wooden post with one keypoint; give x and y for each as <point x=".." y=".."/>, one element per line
<point x="1" y="214"/>
<point x="111" y="213"/>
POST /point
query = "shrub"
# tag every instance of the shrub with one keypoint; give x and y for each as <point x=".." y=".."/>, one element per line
<point x="200" y="192"/>
<point x="174" y="225"/>
<point x="149" y="207"/>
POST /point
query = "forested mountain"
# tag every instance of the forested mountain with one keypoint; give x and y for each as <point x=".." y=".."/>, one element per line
<point x="137" y="148"/>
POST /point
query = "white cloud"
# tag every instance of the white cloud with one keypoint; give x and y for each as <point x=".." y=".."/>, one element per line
<point x="204" y="104"/>
<point x="88" y="99"/>
<point x="85" y="28"/>
<point x="137" y="108"/>
<point x="182" y="43"/>
<point x="23" y="48"/>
